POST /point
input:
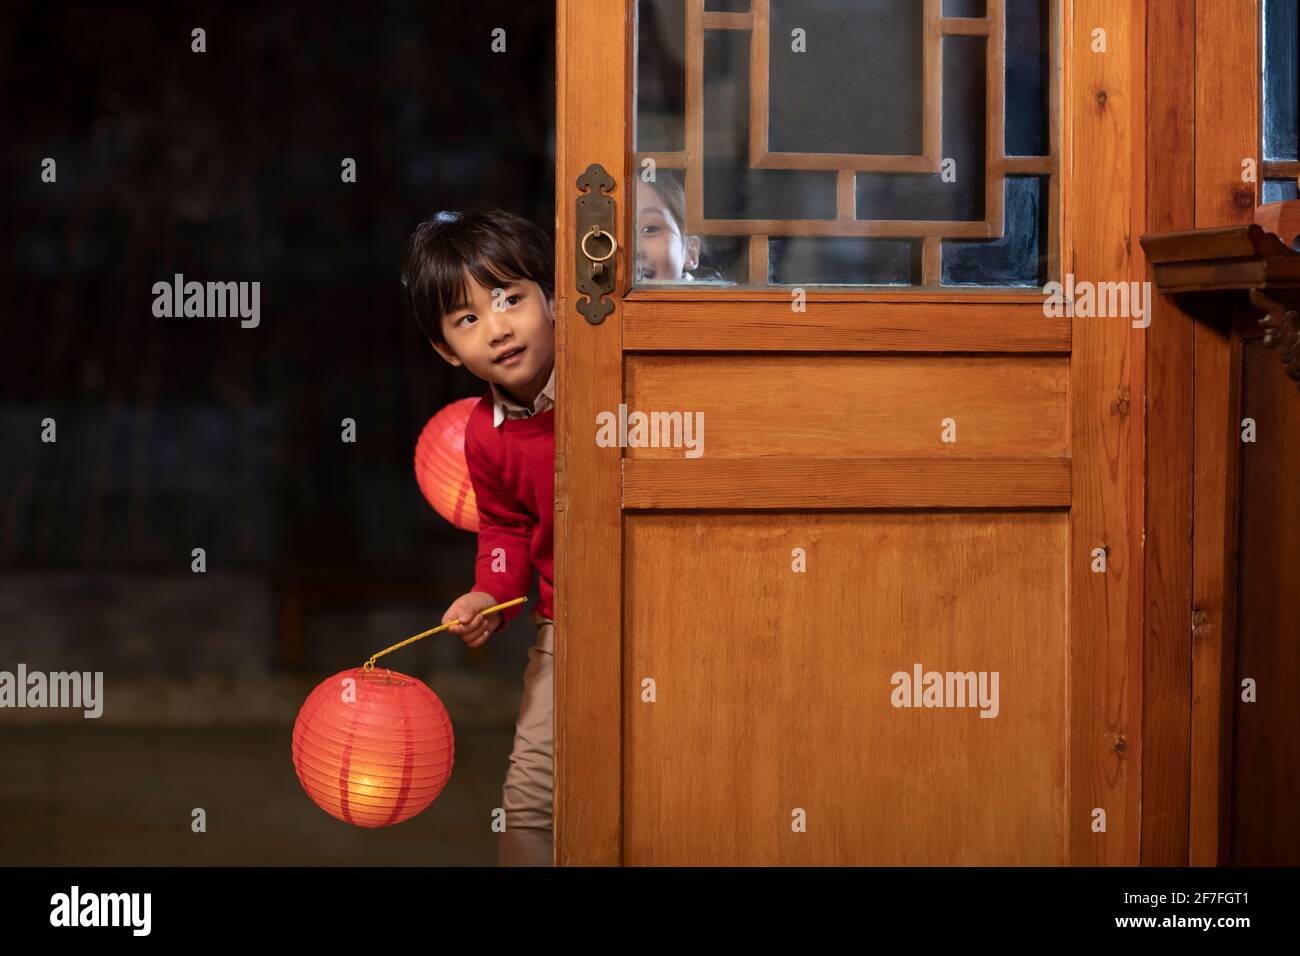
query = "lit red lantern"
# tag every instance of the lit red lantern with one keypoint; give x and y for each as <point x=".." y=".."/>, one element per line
<point x="373" y="748"/>
<point x="440" y="467"/>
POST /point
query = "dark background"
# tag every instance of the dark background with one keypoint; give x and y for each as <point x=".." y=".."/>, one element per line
<point x="176" y="433"/>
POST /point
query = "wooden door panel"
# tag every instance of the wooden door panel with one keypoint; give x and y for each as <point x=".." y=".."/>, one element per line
<point x="823" y="432"/>
<point x="784" y="483"/>
<point x="773" y="688"/>
<point x="761" y="321"/>
<point x="856" y="406"/>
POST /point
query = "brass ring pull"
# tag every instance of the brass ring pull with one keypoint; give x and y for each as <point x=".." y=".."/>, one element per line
<point x="597" y="231"/>
<point x="598" y="262"/>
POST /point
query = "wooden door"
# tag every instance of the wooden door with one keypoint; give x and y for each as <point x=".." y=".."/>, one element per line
<point x="905" y="461"/>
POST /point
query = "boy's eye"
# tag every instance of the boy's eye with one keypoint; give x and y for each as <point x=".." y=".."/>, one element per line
<point x="467" y="315"/>
<point x="512" y="299"/>
<point x="651" y="230"/>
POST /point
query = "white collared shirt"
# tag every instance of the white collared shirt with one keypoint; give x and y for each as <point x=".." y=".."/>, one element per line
<point x="503" y="406"/>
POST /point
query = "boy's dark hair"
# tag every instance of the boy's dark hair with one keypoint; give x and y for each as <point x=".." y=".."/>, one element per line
<point x="496" y="247"/>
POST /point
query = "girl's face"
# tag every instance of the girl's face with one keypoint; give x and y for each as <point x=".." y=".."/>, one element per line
<point x="662" y="252"/>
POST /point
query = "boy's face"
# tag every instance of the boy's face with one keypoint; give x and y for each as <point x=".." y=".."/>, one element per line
<point x="516" y="318"/>
<point x="662" y="252"/>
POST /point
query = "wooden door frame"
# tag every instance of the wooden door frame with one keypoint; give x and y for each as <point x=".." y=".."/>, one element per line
<point x="588" y="687"/>
<point x="1102" y="212"/>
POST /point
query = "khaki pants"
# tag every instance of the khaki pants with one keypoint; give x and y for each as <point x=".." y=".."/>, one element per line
<point x="526" y="797"/>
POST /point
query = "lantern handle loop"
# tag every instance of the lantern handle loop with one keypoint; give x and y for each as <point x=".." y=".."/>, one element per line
<point x="369" y="665"/>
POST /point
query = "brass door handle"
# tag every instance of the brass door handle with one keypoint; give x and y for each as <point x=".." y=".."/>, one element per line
<point x="594" y="225"/>
<point x="598" y="262"/>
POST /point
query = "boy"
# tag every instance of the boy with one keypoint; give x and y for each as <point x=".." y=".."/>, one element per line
<point x="481" y="286"/>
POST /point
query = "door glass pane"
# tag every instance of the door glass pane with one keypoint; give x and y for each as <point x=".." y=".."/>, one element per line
<point x="1280" y="106"/>
<point x="1279" y="74"/>
<point x="845" y="142"/>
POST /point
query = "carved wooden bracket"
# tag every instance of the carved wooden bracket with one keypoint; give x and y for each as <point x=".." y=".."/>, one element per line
<point x="1247" y="259"/>
<point x="1281" y="324"/>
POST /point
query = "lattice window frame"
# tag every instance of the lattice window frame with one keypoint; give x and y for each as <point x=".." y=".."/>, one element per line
<point x="931" y="233"/>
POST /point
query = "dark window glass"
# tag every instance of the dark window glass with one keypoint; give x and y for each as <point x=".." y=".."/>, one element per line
<point x="1276" y="190"/>
<point x="1281" y="75"/>
<point x="1028" y="72"/>
<point x="1019" y="258"/>
<point x="731" y="189"/>
<point x="842" y="260"/>
<point x="911" y="196"/>
<point x="661" y="77"/>
<point x="857" y="88"/>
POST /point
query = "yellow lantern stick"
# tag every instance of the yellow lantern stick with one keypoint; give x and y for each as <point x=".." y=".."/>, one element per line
<point x="370" y="664"/>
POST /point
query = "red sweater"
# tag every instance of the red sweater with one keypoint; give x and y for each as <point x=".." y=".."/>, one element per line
<point x="512" y="469"/>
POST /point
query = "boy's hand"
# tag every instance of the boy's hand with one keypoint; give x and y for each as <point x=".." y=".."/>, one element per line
<point x="474" y="627"/>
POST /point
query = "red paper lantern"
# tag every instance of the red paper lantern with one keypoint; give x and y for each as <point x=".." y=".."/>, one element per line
<point x="373" y="749"/>
<point x="440" y="466"/>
